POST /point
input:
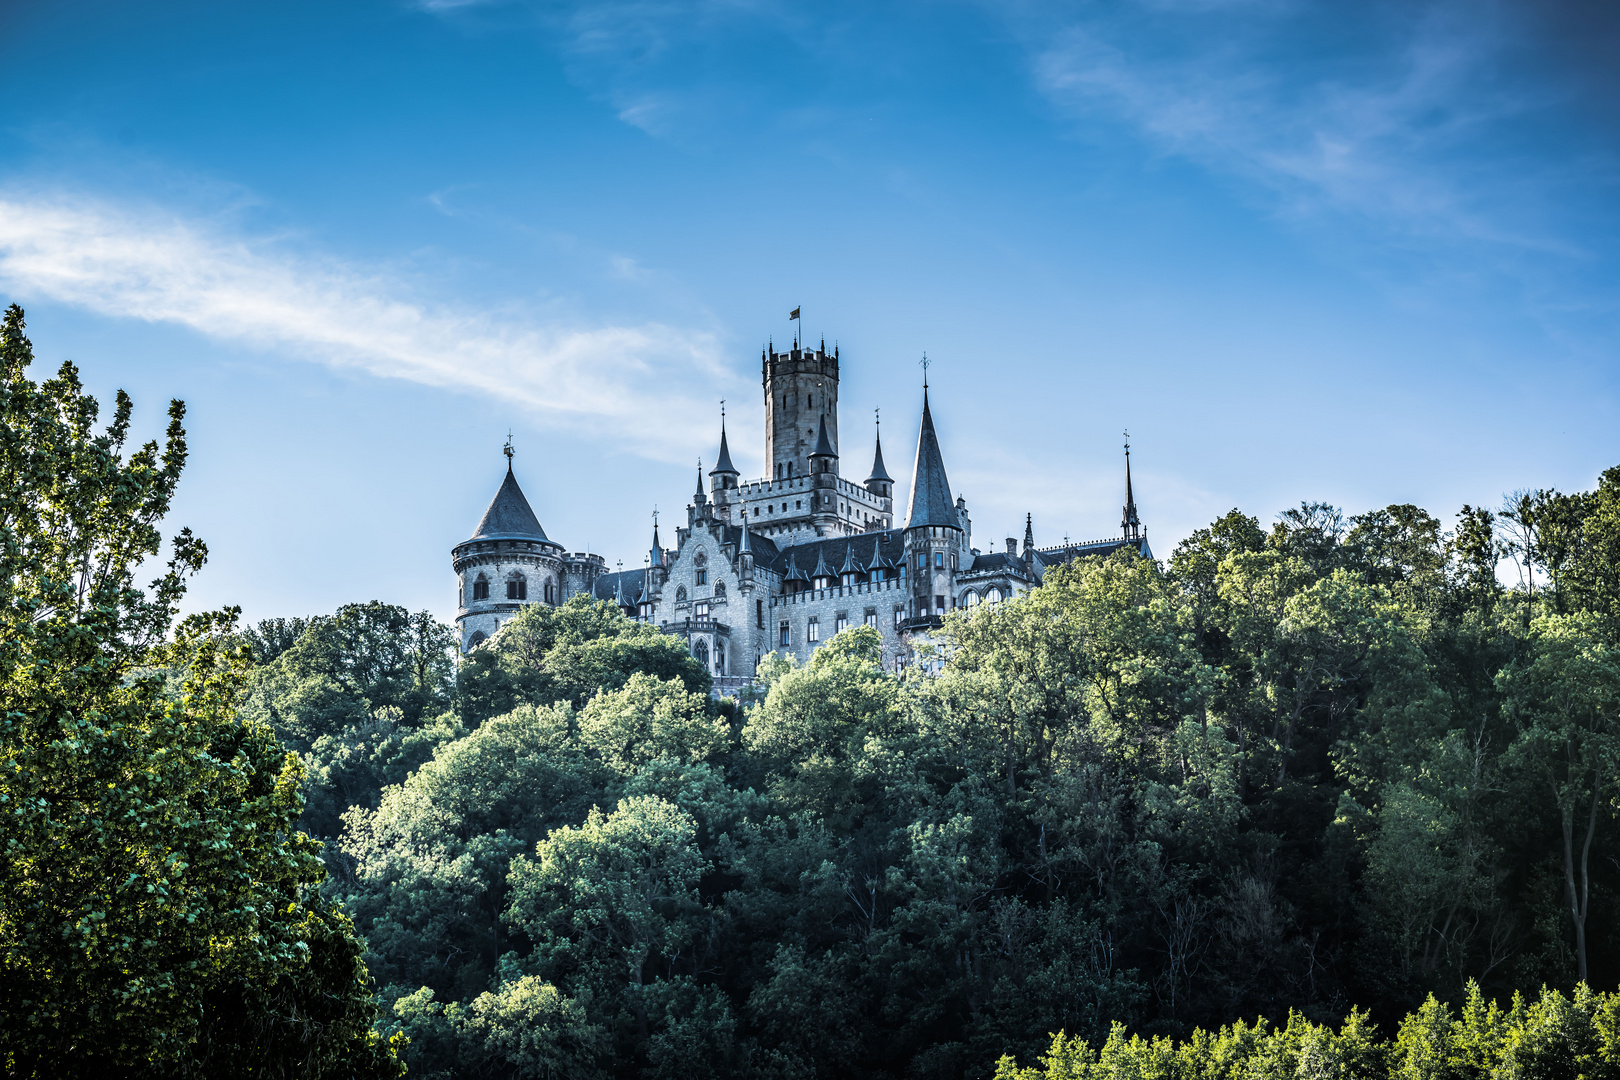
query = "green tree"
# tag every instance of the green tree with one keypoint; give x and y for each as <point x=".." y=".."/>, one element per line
<point x="1565" y="698"/>
<point x="158" y="908"/>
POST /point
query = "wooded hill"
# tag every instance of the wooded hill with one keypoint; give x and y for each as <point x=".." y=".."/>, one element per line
<point x="1331" y="764"/>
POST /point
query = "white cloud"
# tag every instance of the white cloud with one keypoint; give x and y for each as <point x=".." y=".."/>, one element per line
<point x="1401" y="129"/>
<point x="147" y="264"/>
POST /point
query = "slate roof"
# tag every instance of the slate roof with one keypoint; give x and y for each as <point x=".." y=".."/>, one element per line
<point x="633" y="582"/>
<point x="509" y="516"/>
<point x="931" y="503"/>
<point x="1069" y="552"/>
<point x="994" y="561"/>
<point x="724" y="465"/>
<point x="824" y="447"/>
<point x="889" y="545"/>
<point x="878" y="470"/>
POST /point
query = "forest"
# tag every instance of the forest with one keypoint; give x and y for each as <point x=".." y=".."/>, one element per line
<point x="1356" y="775"/>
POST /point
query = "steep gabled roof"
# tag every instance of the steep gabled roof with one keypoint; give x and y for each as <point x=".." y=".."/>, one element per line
<point x="931" y="503"/>
<point x="509" y="516"/>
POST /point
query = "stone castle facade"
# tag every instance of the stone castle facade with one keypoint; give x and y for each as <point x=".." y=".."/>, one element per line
<point x="784" y="562"/>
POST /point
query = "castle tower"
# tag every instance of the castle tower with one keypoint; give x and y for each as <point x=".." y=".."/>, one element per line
<point x="933" y="529"/>
<point x="801" y="386"/>
<point x="723" y="477"/>
<point x="506" y="564"/>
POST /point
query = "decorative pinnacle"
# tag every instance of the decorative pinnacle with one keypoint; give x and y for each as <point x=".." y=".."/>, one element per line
<point x="924" y="363"/>
<point x="507" y="449"/>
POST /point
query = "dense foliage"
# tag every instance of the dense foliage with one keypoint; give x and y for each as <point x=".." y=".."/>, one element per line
<point x="159" y="911"/>
<point x="1549" y="1039"/>
<point x="1331" y="765"/>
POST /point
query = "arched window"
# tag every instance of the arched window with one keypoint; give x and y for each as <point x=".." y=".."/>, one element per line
<point x="481" y="588"/>
<point x="517" y="587"/>
<point x="680" y="593"/>
<point x="551" y="592"/>
<point x="719" y="590"/>
<point x="993" y="596"/>
<point x="476" y="640"/>
<point x="970" y="599"/>
<point x="700" y="649"/>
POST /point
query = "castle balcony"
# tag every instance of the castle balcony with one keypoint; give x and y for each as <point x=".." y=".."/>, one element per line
<point x="696" y="626"/>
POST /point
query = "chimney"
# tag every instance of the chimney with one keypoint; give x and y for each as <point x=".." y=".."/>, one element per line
<point x="1012" y="546"/>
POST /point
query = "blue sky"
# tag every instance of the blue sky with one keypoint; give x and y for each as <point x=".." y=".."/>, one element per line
<point x="1365" y="253"/>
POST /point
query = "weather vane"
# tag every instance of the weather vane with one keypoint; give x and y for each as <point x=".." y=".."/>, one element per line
<point x="924" y="362"/>
<point x="508" y="448"/>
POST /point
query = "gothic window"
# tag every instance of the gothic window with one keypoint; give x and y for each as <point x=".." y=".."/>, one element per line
<point x="476" y="640"/>
<point x="970" y="599"/>
<point x="700" y="649"/>
<point x="517" y="588"/>
<point x="719" y="590"/>
<point x="993" y="596"/>
<point x="680" y="594"/>
<point x="700" y="559"/>
<point x="481" y="588"/>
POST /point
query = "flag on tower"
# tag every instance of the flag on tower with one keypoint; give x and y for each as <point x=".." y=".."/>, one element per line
<point x="794" y="314"/>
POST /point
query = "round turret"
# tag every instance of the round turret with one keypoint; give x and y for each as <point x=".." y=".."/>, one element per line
<point x="507" y="563"/>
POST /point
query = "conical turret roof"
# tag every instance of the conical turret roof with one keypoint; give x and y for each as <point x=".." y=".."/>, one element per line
<point x="879" y="560"/>
<point x="931" y="503"/>
<point x="723" y="465"/>
<point x="824" y="447"/>
<point x="879" y="472"/>
<point x="822" y="569"/>
<point x="793" y="572"/>
<point x="509" y="516"/>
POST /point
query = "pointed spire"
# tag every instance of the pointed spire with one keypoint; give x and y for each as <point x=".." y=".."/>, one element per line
<point x="745" y="548"/>
<point x="723" y="464"/>
<point x="931" y="503"/>
<point x="824" y="447"/>
<point x="700" y="480"/>
<point x="850" y="565"/>
<point x="879" y="560"/>
<point x="878" y="470"/>
<point x="657" y="553"/>
<point x="822" y="570"/>
<point x="1029" y="534"/>
<point x="1130" y="522"/>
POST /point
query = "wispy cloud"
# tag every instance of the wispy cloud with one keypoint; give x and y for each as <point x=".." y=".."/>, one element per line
<point x="144" y="263"/>
<point x="1403" y="116"/>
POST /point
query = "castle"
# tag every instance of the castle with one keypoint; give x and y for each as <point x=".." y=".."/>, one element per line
<point x="780" y="563"/>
